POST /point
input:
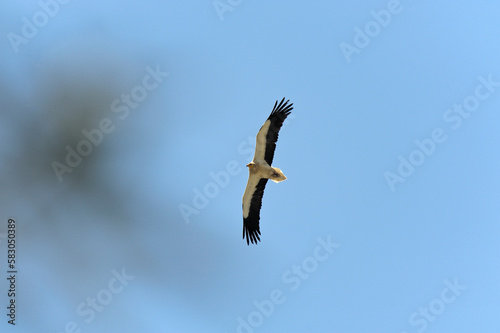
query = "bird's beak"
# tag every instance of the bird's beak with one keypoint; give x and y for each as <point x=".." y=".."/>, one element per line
<point x="249" y="165"/>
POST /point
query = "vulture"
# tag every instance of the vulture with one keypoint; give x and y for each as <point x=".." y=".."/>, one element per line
<point x="260" y="170"/>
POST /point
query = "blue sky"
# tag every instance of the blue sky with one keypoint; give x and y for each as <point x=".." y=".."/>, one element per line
<point x="388" y="221"/>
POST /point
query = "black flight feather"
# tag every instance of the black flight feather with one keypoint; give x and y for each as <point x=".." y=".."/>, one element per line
<point x="277" y="117"/>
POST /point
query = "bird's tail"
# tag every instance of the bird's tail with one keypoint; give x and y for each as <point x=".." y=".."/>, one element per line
<point x="277" y="175"/>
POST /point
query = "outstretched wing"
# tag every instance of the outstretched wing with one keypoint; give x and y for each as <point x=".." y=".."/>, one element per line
<point x="252" y="201"/>
<point x="268" y="133"/>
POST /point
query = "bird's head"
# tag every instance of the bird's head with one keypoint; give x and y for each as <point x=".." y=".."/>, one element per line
<point x="251" y="165"/>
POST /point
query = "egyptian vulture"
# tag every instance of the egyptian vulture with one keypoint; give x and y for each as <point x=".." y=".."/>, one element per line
<point x="260" y="170"/>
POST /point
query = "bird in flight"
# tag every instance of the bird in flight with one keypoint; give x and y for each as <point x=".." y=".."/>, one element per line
<point x="260" y="170"/>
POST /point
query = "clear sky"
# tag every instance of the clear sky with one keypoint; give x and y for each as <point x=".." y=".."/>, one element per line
<point x="125" y="128"/>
